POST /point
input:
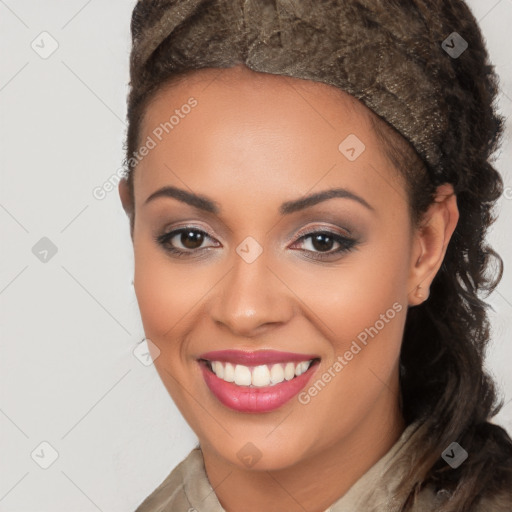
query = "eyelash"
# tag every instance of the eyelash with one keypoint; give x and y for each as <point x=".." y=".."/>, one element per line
<point x="346" y="244"/>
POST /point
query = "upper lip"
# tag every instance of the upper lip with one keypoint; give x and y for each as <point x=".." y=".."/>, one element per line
<point x="256" y="358"/>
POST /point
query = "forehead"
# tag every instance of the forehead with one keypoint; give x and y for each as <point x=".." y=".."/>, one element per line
<point x="239" y="83"/>
<point x="253" y="131"/>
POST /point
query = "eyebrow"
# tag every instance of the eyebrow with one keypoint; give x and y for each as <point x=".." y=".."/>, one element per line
<point x="196" y="200"/>
<point x="204" y="203"/>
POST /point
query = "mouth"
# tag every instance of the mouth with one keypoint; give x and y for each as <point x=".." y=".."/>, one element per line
<point x="259" y="381"/>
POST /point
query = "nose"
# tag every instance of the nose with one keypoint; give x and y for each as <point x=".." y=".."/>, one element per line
<point x="251" y="299"/>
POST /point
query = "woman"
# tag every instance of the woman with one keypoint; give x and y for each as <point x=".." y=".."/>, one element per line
<point x="309" y="188"/>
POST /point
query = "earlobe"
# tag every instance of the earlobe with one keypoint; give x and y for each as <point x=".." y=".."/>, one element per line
<point x="431" y="243"/>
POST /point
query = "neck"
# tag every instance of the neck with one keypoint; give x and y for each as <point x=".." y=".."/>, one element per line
<point x="313" y="484"/>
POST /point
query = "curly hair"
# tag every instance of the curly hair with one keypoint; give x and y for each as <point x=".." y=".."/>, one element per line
<point x="436" y="118"/>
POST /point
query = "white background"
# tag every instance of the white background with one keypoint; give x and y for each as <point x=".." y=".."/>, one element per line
<point x="69" y="326"/>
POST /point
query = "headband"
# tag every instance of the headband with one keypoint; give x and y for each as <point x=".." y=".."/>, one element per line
<point x="421" y="65"/>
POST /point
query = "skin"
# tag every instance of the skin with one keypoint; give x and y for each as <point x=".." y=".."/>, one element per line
<point x="253" y="142"/>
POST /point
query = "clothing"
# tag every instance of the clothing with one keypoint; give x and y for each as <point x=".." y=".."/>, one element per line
<point x="187" y="488"/>
<point x="408" y="62"/>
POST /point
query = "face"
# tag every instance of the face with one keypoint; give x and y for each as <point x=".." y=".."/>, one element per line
<point x="250" y="257"/>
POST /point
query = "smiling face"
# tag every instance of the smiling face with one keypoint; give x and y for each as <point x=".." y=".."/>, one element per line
<point x="260" y="267"/>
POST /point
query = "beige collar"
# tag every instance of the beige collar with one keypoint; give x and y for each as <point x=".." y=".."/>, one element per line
<point x="188" y="487"/>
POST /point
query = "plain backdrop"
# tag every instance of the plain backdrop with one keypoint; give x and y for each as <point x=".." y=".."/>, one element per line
<point x="73" y="396"/>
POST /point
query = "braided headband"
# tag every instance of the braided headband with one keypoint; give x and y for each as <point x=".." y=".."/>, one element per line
<point x="412" y="62"/>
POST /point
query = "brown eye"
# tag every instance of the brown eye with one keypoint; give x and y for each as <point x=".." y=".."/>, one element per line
<point x="322" y="242"/>
<point x="325" y="244"/>
<point x="185" y="241"/>
<point x="191" y="239"/>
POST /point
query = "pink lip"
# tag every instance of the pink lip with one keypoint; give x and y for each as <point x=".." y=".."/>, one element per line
<point x="255" y="399"/>
<point x="255" y="358"/>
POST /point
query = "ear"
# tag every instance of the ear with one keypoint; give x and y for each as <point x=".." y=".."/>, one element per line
<point x="126" y="201"/>
<point x="430" y="243"/>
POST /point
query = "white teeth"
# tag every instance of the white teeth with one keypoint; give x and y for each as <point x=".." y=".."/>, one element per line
<point x="218" y="369"/>
<point x="242" y="375"/>
<point x="277" y="374"/>
<point x="229" y="372"/>
<point x="259" y="376"/>
<point x="301" y="368"/>
<point x="289" y="371"/>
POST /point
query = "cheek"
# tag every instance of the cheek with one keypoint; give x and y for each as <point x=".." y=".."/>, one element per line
<point x="365" y="297"/>
<point x="166" y="292"/>
<point x="359" y="307"/>
<point x="367" y="287"/>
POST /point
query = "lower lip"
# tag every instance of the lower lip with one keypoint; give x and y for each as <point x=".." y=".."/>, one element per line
<point x="255" y="399"/>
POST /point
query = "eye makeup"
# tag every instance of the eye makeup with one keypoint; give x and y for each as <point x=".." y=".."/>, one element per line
<point x="316" y="238"/>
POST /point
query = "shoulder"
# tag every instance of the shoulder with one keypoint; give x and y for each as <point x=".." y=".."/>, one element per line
<point x="501" y="502"/>
<point x="481" y="483"/>
<point x="431" y="499"/>
<point x="170" y="494"/>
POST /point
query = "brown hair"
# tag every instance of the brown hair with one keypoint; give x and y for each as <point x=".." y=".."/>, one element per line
<point x="435" y="116"/>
